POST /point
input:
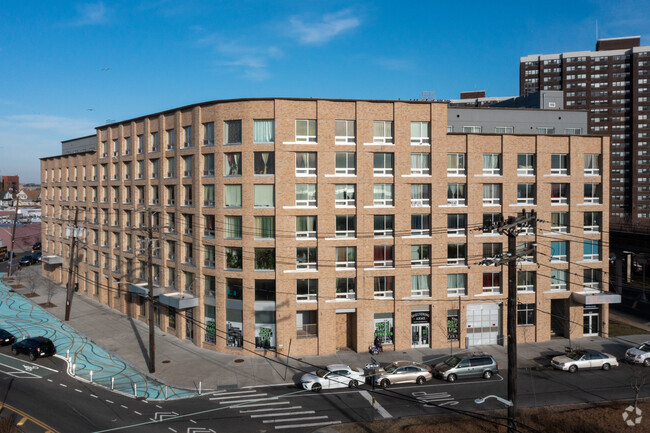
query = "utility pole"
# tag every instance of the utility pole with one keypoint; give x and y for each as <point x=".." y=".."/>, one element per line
<point x="74" y="231"/>
<point x="152" y="345"/>
<point x="13" y="232"/>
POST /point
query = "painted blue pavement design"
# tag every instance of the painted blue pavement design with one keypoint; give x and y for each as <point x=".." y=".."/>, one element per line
<point x="25" y="319"/>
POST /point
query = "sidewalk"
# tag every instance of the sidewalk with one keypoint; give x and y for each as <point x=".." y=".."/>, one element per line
<point x="179" y="363"/>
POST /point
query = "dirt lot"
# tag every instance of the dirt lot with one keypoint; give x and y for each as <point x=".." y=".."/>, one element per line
<point x="606" y="418"/>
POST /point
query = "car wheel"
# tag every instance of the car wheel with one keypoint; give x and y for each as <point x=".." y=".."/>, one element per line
<point x="606" y="366"/>
<point x="420" y="380"/>
<point x="646" y="363"/>
<point x="316" y="387"/>
<point x="353" y="384"/>
<point x="487" y="374"/>
<point x="32" y="356"/>
<point x="384" y="383"/>
<point x="451" y="378"/>
<point x="573" y="369"/>
<point x="14" y="351"/>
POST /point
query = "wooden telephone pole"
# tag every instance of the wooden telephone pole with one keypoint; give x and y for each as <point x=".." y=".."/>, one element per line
<point x="13" y="232"/>
<point x="150" y="297"/>
<point x="71" y="264"/>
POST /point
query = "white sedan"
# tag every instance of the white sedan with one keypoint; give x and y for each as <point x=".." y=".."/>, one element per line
<point x="579" y="359"/>
<point x="639" y="354"/>
<point x="332" y="376"/>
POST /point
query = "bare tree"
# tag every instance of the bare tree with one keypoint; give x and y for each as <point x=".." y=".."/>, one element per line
<point x="51" y="287"/>
<point x="30" y="278"/>
<point x="637" y="381"/>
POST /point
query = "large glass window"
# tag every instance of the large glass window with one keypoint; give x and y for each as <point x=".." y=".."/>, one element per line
<point x="346" y="257"/>
<point x="187" y="136"/>
<point x="456" y="164"/>
<point x="382" y="131"/>
<point x="456" y="194"/>
<point x="233" y="228"/>
<point x="232" y="132"/>
<point x="263" y="131"/>
<point x="264" y="195"/>
<point x="560" y="222"/>
<point x="591" y="250"/>
<point x="346" y="226"/>
<point x="264" y="227"/>
<point x="346" y="288"/>
<point x="208" y="165"/>
<point x="420" y="195"/>
<point x="208" y="195"/>
<point x="525" y="314"/>
<point x="208" y="256"/>
<point x="233" y="258"/>
<point x="592" y="193"/>
<point x="491" y="164"/>
<point x="305" y="194"/>
<point x="382" y="164"/>
<point x="420" y="164"/>
<point x="232" y="164"/>
<point x="592" y="164"/>
<point x="525" y="193"/>
<point x="456" y="284"/>
<point x="264" y="163"/>
<point x="420" y="255"/>
<point x="559" y="251"/>
<point x="526" y="164"/>
<point x="526" y="281"/>
<point x="344" y="132"/>
<point x="384" y="328"/>
<point x="232" y="195"/>
<point x="592" y="222"/>
<point x="560" y="163"/>
<point x="306" y="258"/>
<point x="305" y="227"/>
<point x="306" y="131"/>
<point x="421" y="285"/>
<point x="456" y="254"/>
<point x="491" y="282"/>
<point x="208" y="134"/>
<point x="307" y="290"/>
<point x="305" y="163"/>
<point x="559" y="279"/>
<point x="383" y="256"/>
<point x="491" y="194"/>
<point x="492" y="249"/>
<point x="384" y="287"/>
<point x="592" y="278"/>
<point x="345" y="163"/>
<point x="383" y="194"/>
<point x="457" y="224"/>
<point x="344" y="195"/>
<point x="559" y="193"/>
<point x="420" y="133"/>
<point x="306" y="324"/>
<point x="264" y="259"/>
<point x="421" y="225"/>
<point x="383" y="225"/>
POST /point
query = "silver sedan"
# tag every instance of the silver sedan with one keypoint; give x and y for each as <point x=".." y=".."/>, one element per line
<point x="579" y="359"/>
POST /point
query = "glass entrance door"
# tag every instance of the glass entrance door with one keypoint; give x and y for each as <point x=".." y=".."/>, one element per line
<point x="591" y="321"/>
<point x="420" y="335"/>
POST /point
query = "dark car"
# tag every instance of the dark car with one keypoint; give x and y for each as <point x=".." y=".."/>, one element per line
<point x="27" y="260"/>
<point x="6" y="337"/>
<point x="36" y="247"/>
<point x="35" y="347"/>
<point x="37" y="256"/>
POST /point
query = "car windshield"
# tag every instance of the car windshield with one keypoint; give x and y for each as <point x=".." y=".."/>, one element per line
<point x="575" y="355"/>
<point x="453" y="361"/>
<point x="391" y="368"/>
<point x="644" y="346"/>
<point x="322" y="372"/>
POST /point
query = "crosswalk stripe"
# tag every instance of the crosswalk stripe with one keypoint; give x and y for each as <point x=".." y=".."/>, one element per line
<point x="270" y="409"/>
<point x="304" y="418"/>
<point x="249" y="400"/>
<point x="252" y="391"/>
<point x="304" y="412"/>
<point x="263" y="404"/>
<point x="225" y="397"/>
<point x="313" y="424"/>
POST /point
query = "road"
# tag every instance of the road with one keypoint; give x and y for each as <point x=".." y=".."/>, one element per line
<point x="44" y="392"/>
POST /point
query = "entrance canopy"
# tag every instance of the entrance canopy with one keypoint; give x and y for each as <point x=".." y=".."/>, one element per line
<point x="587" y="298"/>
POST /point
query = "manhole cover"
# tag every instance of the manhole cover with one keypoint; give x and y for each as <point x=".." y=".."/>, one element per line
<point x="166" y="361"/>
<point x="239" y="360"/>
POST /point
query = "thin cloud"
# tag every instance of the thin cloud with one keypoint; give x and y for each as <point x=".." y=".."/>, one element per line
<point x="91" y="14"/>
<point x="323" y="30"/>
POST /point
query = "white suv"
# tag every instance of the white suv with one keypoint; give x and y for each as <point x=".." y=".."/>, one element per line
<point x="639" y="354"/>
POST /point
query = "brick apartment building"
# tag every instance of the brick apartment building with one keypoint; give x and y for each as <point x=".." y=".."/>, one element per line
<point x="317" y="224"/>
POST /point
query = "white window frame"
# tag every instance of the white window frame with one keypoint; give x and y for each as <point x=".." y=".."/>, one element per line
<point x="384" y="232"/>
<point x="307" y="234"/>
<point x="457" y="231"/>
<point x="309" y="297"/>
<point x="421" y="232"/>
<point x="345" y="264"/>
<point x="306" y="138"/>
<point x="457" y="201"/>
<point x="594" y="228"/>
<point x="345" y="233"/>
<point x="457" y="291"/>
<point x="593" y="199"/>
<point x="562" y="286"/>
<point x="457" y="261"/>
<point x="421" y="293"/>
<point x="456" y="158"/>
<point x="307" y="265"/>
<point x="345" y="202"/>
<point x="384" y="263"/>
<point x="383" y="138"/>
<point x="306" y="171"/>
<point x="563" y="158"/>
<point x="307" y="202"/>
<point x="420" y="262"/>
<point x="526" y="171"/>
<point x="527" y="199"/>
<point x="559" y="228"/>
<point x="492" y="171"/>
<point x="347" y="138"/>
<point x="422" y="139"/>
<point x="348" y="295"/>
<point x="421" y="199"/>
<point x="383" y="201"/>
<point x="493" y="289"/>
<point x="491" y="200"/>
<point x="526" y="288"/>
<point x="592" y="171"/>
<point x="383" y="171"/>
<point x="421" y="158"/>
<point x="347" y="170"/>
<point x="562" y="199"/>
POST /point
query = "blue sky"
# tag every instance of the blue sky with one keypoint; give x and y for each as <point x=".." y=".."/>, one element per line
<point x="67" y="67"/>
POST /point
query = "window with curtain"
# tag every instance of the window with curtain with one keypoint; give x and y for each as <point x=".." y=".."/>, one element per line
<point x="208" y="134"/>
<point x="233" y="228"/>
<point x="344" y="195"/>
<point x="592" y="164"/>
<point x="264" y="227"/>
<point x="382" y="131"/>
<point x="526" y="281"/>
<point x="560" y="222"/>
<point x="455" y="164"/>
<point x="346" y="257"/>
<point x="420" y="224"/>
<point x="420" y="133"/>
<point x="492" y="249"/>
<point x="383" y="194"/>
<point x="421" y="285"/>
<point x="187" y="136"/>
<point x="559" y="279"/>
<point x="525" y="193"/>
<point x="420" y="194"/>
<point x="491" y="282"/>
<point x="305" y="194"/>
<point x="525" y="164"/>
<point x="492" y="163"/>
<point x="264" y="163"/>
<point x="383" y="225"/>
<point x="456" y="284"/>
<point x="208" y="256"/>
<point x="344" y="131"/>
<point x="263" y="131"/>
<point x="187" y="166"/>
<point x="383" y="256"/>
<point x="346" y="226"/>
<point x="208" y="226"/>
<point x="232" y="164"/>
<point x="306" y="226"/>
<point x="420" y="164"/>
<point x="232" y="194"/>
<point x="491" y="193"/>
<point x="559" y="193"/>
<point x="170" y="139"/>
<point x="306" y="258"/>
<point x="264" y="259"/>
<point x="208" y="164"/>
<point x="345" y="163"/>
<point x="420" y="255"/>
<point x="264" y="195"/>
<point x="306" y="130"/>
<point x="384" y="286"/>
<point x="592" y="193"/>
<point x="232" y="131"/>
<point x="187" y="192"/>
<point x="155" y="147"/>
<point x="305" y="163"/>
<point x="382" y="164"/>
<point x="456" y="194"/>
<point x="208" y="195"/>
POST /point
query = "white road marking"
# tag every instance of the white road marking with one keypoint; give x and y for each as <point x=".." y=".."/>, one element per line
<point x="159" y="407"/>
<point x="267" y="386"/>
<point x="172" y="429"/>
<point x="304" y="418"/>
<point x="313" y="424"/>
<point x="63" y="385"/>
<point x="383" y="412"/>
<point x="124" y="406"/>
<point x="192" y="421"/>
<point x="270" y="409"/>
<point x="78" y="390"/>
<point x="137" y="412"/>
<point x="304" y="412"/>
<point x="233" y="393"/>
<point x="49" y="380"/>
<point x="108" y="401"/>
<point x="93" y="396"/>
<point x="250" y="400"/>
<point x="240" y="396"/>
<point x="263" y="404"/>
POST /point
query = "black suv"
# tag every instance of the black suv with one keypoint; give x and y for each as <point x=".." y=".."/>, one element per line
<point x="35" y="347"/>
<point x="36" y="247"/>
<point x="468" y="365"/>
<point x="6" y="337"/>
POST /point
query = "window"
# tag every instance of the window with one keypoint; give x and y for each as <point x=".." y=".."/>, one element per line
<point x="232" y="132"/>
<point x="344" y="195"/>
<point x="265" y="290"/>
<point x="208" y="165"/>
<point x="187" y="194"/>
<point x="504" y="129"/>
<point x="383" y="287"/>
<point x="382" y="164"/>
<point x="306" y="258"/>
<point x="187" y="166"/>
<point x="592" y="222"/>
<point x="264" y="163"/>
<point x="208" y="255"/>
<point x="592" y="193"/>
<point x="526" y="193"/>
<point x="420" y="133"/>
<point x="559" y="278"/>
<point x="384" y="327"/>
<point x="573" y="131"/>
<point x="233" y="258"/>
<point x="344" y="132"/>
<point x="456" y="224"/>
<point x="264" y="195"/>
<point x="346" y="257"/>
<point x="305" y="227"/>
<point x="232" y="164"/>
<point x="307" y="290"/>
<point x="559" y="251"/>
<point x="559" y="222"/>
<point x="492" y="250"/>
<point x="472" y="129"/>
<point x="592" y="278"/>
<point x="306" y="194"/>
<point x="127" y="146"/>
<point x="526" y="281"/>
<point x="420" y="255"/>
<point x="346" y="288"/>
<point x="383" y="225"/>
<point x="306" y="323"/>
<point x="170" y="139"/>
<point x="383" y="256"/>
<point x="420" y="164"/>
<point x="208" y="195"/>
<point x="547" y="130"/>
<point x="306" y="131"/>
<point x="455" y="164"/>
<point x="305" y="163"/>
<point x="382" y="132"/>
<point x="264" y="259"/>
<point x="232" y="194"/>
<point x="155" y="146"/>
<point x="560" y="163"/>
<point x="421" y="285"/>
<point x="208" y="225"/>
<point x="233" y="227"/>
<point x="420" y="195"/>
<point x="491" y="194"/>
<point x="456" y="254"/>
<point x="591" y="250"/>
<point x="559" y="193"/>
<point x="187" y="136"/>
<point x="382" y="194"/>
<point x="492" y="282"/>
<point x="208" y="134"/>
<point x="421" y="225"/>
<point x="525" y="314"/>
<point x="456" y="194"/>
<point x="491" y="164"/>
<point x="456" y="284"/>
<point x="346" y="226"/>
<point x="264" y="227"/>
<point x="263" y="131"/>
<point x="345" y="163"/>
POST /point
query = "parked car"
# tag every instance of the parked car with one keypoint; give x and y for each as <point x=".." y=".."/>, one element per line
<point x="332" y="376"/>
<point x="639" y="354"/>
<point x="578" y="359"/>
<point x="37" y="256"/>
<point x="467" y="365"/>
<point x="28" y="259"/>
<point x="34" y="347"/>
<point x="6" y="337"/>
<point x="36" y="247"/>
<point x="402" y="372"/>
